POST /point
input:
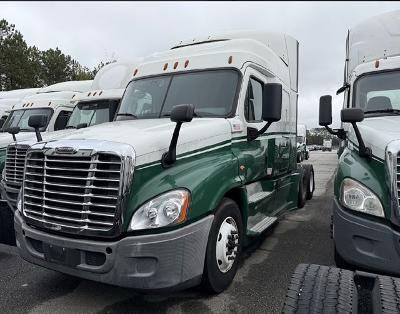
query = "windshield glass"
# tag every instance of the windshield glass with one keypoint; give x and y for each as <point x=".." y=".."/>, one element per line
<point x="20" y="118"/>
<point x="91" y="113"/>
<point x="211" y="92"/>
<point x="378" y="92"/>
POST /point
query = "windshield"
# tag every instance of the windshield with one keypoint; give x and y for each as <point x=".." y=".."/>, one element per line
<point x="211" y="92"/>
<point x="20" y="118"/>
<point x="378" y="92"/>
<point x="92" y="113"/>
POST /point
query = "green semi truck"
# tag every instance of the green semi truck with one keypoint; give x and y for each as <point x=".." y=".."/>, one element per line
<point x="366" y="212"/>
<point x="200" y="161"/>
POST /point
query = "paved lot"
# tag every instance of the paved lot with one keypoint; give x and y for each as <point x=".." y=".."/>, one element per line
<point x="259" y="287"/>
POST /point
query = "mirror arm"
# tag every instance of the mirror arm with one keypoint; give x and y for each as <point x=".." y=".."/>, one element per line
<point x="38" y="135"/>
<point x="343" y="88"/>
<point x="169" y="157"/>
<point x="253" y="133"/>
<point x="340" y="133"/>
<point x="14" y="138"/>
<point x="363" y="151"/>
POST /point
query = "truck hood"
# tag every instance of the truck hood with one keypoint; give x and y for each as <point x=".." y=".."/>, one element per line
<point x="6" y="138"/>
<point x="377" y="133"/>
<point x="150" y="138"/>
<point x="46" y="136"/>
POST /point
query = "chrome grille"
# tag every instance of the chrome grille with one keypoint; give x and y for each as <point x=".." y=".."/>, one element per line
<point x="72" y="191"/>
<point x="15" y="161"/>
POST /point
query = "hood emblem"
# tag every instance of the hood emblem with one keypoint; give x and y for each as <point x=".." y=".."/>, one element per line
<point x="65" y="150"/>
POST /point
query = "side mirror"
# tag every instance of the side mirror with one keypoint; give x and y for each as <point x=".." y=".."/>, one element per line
<point x="352" y="115"/>
<point x="179" y="114"/>
<point x="14" y="130"/>
<point x="271" y="109"/>
<point x="37" y="122"/>
<point x="2" y="120"/>
<point x="182" y="113"/>
<point x="272" y="102"/>
<point x="81" y="125"/>
<point x="325" y="110"/>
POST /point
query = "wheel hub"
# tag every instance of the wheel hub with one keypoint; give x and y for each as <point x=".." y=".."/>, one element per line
<point x="227" y="244"/>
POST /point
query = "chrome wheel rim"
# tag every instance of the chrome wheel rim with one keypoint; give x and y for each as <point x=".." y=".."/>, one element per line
<point x="227" y="244"/>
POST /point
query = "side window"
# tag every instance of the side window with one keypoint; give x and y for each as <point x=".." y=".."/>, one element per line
<point x="253" y="101"/>
<point x="62" y="120"/>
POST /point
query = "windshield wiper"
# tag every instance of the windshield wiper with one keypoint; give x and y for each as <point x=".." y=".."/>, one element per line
<point x="196" y="115"/>
<point x="383" y="111"/>
<point x="71" y="127"/>
<point x="126" y="114"/>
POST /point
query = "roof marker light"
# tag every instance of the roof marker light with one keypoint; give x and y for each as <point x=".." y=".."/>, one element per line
<point x="101" y="92"/>
<point x="165" y="66"/>
<point x="89" y="93"/>
<point x="186" y="63"/>
<point x="73" y="96"/>
<point x="135" y="72"/>
<point x="13" y="107"/>
<point x="49" y="103"/>
<point x="94" y="94"/>
<point x="230" y="59"/>
<point x="377" y="64"/>
<point x="175" y="65"/>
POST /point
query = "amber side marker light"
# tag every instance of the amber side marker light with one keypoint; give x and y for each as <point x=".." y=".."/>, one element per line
<point x="230" y="59"/>
<point x="377" y="64"/>
<point x="135" y="72"/>
<point x="175" y="65"/>
<point x="186" y="63"/>
<point x="165" y="66"/>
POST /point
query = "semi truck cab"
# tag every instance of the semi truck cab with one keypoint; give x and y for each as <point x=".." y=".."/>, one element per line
<point x="366" y="216"/>
<point x="200" y="160"/>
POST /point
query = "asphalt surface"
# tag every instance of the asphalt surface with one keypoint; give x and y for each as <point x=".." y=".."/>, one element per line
<point x="302" y="236"/>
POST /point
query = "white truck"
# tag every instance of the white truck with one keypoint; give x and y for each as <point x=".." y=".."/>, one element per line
<point x="302" y="150"/>
<point x="327" y="145"/>
<point x="92" y="107"/>
<point x="199" y="163"/>
<point x="10" y="98"/>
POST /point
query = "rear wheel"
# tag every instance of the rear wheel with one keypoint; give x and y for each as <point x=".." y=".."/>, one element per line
<point x="223" y="248"/>
<point x="310" y="183"/>
<point x="301" y="199"/>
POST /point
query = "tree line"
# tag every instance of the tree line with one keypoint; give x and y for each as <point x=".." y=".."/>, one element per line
<point x="24" y="66"/>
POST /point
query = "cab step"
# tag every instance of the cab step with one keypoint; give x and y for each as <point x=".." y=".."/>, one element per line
<point x="264" y="224"/>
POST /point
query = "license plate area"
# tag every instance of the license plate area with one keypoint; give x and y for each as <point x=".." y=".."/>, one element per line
<point x="61" y="255"/>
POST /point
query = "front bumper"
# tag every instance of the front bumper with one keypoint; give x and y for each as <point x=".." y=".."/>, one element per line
<point x="147" y="262"/>
<point x="9" y="194"/>
<point x="366" y="243"/>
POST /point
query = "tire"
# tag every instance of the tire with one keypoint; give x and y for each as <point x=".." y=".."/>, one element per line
<point x="389" y="291"/>
<point x="301" y="198"/>
<point x="7" y="233"/>
<point x="307" y="155"/>
<point x="310" y="181"/>
<point x="217" y="275"/>
<point x="321" y="289"/>
<point x="299" y="158"/>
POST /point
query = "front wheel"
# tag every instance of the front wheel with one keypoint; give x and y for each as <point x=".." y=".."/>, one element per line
<point x="302" y="192"/>
<point x="223" y="248"/>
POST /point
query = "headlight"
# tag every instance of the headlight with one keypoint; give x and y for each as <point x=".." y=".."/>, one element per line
<point x="357" y="197"/>
<point x="166" y="209"/>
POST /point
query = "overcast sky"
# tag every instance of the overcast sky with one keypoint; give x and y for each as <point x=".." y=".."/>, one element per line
<point x="97" y="31"/>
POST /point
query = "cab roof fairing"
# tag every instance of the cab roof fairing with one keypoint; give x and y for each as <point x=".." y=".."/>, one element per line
<point x="100" y="95"/>
<point x="375" y="38"/>
<point x="47" y="100"/>
<point x="215" y="55"/>
<point x="68" y="86"/>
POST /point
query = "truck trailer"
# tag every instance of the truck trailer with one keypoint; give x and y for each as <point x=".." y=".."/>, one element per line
<point x="199" y="162"/>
